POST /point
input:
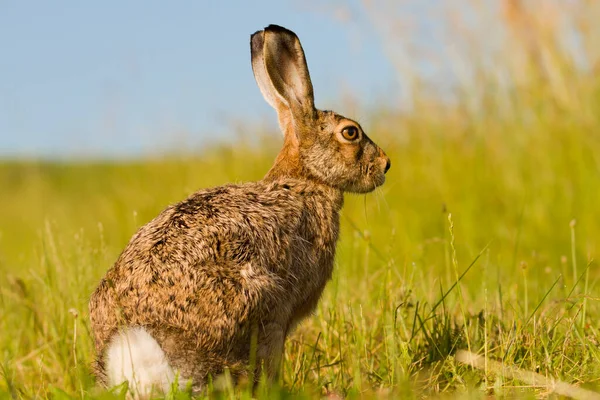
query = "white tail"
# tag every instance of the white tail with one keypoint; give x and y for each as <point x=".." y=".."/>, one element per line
<point x="134" y="356"/>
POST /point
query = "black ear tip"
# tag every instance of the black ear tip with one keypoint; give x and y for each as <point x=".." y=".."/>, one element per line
<point x="279" y="29"/>
<point x="275" y="27"/>
<point x="257" y="38"/>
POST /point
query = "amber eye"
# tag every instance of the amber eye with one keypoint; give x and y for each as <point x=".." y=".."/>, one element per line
<point x="350" y="133"/>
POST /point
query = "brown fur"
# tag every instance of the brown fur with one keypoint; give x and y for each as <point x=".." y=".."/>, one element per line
<point x="242" y="261"/>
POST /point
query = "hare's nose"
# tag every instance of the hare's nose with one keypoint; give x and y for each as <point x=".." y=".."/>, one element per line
<point x="388" y="163"/>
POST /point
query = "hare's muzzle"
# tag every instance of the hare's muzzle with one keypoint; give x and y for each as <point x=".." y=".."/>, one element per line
<point x="386" y="159"/>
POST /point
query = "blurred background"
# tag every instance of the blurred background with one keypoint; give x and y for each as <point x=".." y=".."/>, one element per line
<point x="488" y="109"/>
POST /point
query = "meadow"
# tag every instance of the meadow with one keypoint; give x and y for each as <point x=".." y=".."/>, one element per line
<point x="485" y="238"/>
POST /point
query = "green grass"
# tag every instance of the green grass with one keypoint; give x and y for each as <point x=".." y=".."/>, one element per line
<point x="486" y="203"/>
<point x="485" y="237"/>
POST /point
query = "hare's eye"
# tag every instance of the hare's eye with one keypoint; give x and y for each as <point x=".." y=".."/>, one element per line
<point x="350" y="133"/>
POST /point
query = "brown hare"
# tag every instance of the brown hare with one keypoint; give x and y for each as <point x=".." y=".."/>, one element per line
<point x="237" y="264"/>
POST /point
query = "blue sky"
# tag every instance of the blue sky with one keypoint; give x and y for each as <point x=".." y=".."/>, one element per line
<point x="113" y="79"/>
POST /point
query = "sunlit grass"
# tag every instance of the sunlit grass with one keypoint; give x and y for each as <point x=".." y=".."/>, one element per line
<point x="391" y="318"/>
<point x="484" y="237"/>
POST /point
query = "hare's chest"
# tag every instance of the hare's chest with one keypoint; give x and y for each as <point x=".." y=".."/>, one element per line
<point x="312" y="265"/>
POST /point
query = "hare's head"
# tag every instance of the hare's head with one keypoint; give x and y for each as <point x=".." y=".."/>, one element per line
<point x="319" y="145"/>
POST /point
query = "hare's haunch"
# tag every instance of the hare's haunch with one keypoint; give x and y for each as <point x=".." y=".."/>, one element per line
<point x="236" y="264"/>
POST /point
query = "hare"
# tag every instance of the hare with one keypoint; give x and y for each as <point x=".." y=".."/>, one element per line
<point x="219" y="280"/>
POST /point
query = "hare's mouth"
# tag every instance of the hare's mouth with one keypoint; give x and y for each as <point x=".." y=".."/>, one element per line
<point x="378" y="179"/>
<point x="371" y="180"/>
<point x="377" y="174"/>
<point x="368" y="185"/>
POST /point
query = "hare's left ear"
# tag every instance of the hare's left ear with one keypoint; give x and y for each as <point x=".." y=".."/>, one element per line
<point x="257" y="44"/>
<point x="281" y="71"/>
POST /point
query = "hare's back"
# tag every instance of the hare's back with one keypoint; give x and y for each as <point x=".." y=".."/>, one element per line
<point x="213" y="259"/>
<point x="233" y="223"/>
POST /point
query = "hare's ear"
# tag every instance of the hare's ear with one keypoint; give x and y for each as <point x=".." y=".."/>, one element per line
<point x="265" y="85"/>
<point x="281" y="72"/>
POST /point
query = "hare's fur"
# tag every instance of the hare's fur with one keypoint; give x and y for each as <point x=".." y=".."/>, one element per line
<point x="134" y="356"/>
<point x="223" y="277"/>
<point x="212" y="270"/>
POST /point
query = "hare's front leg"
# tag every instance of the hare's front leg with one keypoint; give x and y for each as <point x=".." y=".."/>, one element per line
<point x="271" y="338"/>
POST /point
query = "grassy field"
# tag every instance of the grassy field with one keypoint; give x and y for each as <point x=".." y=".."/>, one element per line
<point x="485" y="238"/>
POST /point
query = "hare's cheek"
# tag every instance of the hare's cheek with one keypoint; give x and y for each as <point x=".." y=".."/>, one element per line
<point x="351" y="153"/>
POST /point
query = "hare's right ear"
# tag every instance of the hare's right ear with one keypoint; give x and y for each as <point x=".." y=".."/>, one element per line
<point x="280" y="70"/>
